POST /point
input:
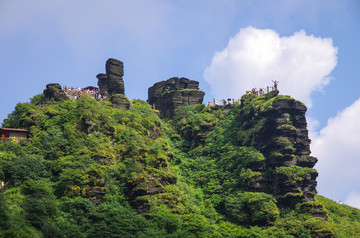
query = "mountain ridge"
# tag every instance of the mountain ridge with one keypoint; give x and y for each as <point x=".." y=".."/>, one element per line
<point x="91" y="168"/>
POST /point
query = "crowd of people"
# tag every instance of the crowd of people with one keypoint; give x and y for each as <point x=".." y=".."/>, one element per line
<point x="262" y="91"/>
<point x="254" y="91"/>
<point x="224" y="102"/>
<point x="75" y="93"/>
<point x="93" y="92"/>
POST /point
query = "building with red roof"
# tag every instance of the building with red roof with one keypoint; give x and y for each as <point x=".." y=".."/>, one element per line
<point x="13" y="133"/>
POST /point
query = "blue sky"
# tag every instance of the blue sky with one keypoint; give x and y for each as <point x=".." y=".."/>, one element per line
<point x="68" y="42"/>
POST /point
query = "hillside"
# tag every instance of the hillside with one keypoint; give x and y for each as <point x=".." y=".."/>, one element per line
<point x="90" y="170"/>
<point x="120" y="168"/>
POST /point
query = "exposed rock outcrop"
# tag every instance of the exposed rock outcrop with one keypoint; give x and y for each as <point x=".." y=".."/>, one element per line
<point x="120" y="101"/>
<point x="168" y="95"/>
<point x="54" y="91"/>
<point x="276" y="126"/>
<point x="142" y="189"/>
<point x="112" y="82"/>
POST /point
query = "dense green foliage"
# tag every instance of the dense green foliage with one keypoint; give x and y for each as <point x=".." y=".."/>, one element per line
<point x="345" y="219"/>
<point x="89" y="170"/>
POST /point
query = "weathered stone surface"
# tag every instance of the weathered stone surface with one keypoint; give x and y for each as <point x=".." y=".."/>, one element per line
<point x="120" y="101"/>
<point x="168" y="95"/>
<point x="54" y="91"/>
<point x="114" y="67"/>
<point x="95" y="194"/>
<point x="314" y="208"/>
<point x="278" y="130"/>
<point x="112" y="82"/>
<point x="142" y="188"/>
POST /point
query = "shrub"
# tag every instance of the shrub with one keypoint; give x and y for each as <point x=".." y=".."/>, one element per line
<point x="252" y="208"/>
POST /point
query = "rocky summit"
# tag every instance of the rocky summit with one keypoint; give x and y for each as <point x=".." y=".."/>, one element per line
<point x="167" y="96"/>
<point x="54" y="91"/>
<point x="276" y="127"/>
<point x="97" y="166"/>
<point x="112" y="82"/>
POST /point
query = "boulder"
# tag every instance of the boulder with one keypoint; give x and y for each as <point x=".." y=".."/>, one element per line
<point x="167" y="96"/>
<point x="114" y="67"/>
<point x="54" y="91"/>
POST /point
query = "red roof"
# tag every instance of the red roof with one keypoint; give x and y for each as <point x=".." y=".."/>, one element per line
<point x="14" y="129"/>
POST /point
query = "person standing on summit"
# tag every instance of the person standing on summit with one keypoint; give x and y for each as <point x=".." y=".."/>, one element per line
<point x="275" y="84"/>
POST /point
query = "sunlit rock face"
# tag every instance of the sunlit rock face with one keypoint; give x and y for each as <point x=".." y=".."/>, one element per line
<point x="168" y="95"/>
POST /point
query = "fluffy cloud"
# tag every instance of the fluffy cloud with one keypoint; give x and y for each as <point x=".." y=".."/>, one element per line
<point x="353" y="199"/>
<point x="254" y="57"/>
<point x="337" y="147"/>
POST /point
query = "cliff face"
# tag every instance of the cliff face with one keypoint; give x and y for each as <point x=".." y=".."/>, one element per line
<point x="276" y="127"/>
<point x="235" y="170"/>
<point x="167" y="96"/>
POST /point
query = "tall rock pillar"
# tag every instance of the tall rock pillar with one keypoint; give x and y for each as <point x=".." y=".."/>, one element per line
<point x="112" y="82"/>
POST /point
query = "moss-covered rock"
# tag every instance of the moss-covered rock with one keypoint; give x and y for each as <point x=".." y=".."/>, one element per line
<point x="276" y="126"/>
<point x="167" y="96"/>
<point x="120" y="101"/>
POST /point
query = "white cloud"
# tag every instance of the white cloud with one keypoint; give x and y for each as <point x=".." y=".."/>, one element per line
<point x="353" y="199"/>
<point x="337" y="147"/>
<point x="312" y="126"/>
<point x="254" y="57"/>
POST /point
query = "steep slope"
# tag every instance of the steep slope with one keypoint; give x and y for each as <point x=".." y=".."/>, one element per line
<point x="258" y="151"/>
<point x="276" y="127"/>
<point x="87" y="149"/>
<point x="272" y="126"/>
<point x="93" y="169"/>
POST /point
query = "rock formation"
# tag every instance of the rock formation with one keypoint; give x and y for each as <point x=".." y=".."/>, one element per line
<point x="276" y="126"/>
<point x="120" y="101"/>
<point x="168" y="95"/>
<point x="112" y="82"/>
<point x="54" y="91"/>
<point x="142" y="189"/>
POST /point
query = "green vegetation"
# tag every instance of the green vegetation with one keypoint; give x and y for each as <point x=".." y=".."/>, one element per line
<point x="344" y="219"/>
<point x="296" y="173"/>
<point x="89" y="170"/>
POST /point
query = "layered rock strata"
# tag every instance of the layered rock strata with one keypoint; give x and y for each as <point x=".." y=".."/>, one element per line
<point x="276" y="126"/>
<point x="120" y="101"/>
<point x="112" y="82"/>
<point x="54" y="91"/>
<point x="168" y="95"/>
<point x="143" y="189"/>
